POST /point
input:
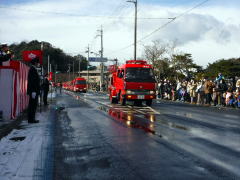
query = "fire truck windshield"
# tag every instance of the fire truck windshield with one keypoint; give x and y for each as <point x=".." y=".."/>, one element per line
<point x="80" y="82"/>
<point x="139" y="75"/>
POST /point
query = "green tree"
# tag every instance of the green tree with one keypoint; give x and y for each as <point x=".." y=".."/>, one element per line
<point x="183" y="64"/>
<point x="58" y="59"/>
<point x="229" y="68"/>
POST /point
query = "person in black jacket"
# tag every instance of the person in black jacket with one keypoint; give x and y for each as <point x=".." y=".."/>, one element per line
<point x="5" y="54"/>
<point x="221" y="88"/>
<point x="33" y="90"/>
<point x="45" y="89"/>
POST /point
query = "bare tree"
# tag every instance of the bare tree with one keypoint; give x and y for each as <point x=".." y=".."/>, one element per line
<point x="155" y="52"/>
<point x="155" y="55"/>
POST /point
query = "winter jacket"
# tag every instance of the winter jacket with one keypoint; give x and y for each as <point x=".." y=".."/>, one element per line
<point x="33" y="81"/>
<point x="238" y="83"/>
<point x="45" y="85"/>
<point x="193" y="88"/>
<point x="222" y="87"/>
<point x="208" y="87"/>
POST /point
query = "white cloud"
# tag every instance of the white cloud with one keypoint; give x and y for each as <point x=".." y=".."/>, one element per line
<point x="208" y="33"/>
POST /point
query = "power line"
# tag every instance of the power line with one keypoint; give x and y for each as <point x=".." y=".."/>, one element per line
<point x="118" y="9"/>
<point x="164" y="25"/>
<point x="180" y="15"/>
<point x="161" y="27"/>
<point x="119" y="6"/>
<point x="72" y="14"/>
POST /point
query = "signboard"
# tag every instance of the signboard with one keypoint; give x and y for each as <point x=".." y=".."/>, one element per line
<point x="97" y="59"/>
<point x="29" y="55"/>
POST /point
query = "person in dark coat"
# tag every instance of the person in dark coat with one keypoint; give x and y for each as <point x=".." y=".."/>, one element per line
<point x="33" y="90"/>
<point x="60" y="87"/>
<point x="45" y="89"/>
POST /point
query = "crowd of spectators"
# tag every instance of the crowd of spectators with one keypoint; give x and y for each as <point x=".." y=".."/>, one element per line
<point x="207" y="92"/>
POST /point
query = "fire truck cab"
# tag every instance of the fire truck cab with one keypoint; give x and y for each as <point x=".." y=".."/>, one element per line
<point x="79" y="85"/>
<point x="132" y="81"/>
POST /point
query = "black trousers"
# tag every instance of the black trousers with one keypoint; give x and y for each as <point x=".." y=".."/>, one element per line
<point x="208" y="98"/>
<point x="45" y="95"/>
<point x="32" y="107"/>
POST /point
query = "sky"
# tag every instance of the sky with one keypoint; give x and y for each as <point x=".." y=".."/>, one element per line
<point x="208" y="32"/>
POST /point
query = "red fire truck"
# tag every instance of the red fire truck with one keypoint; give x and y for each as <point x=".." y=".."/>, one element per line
<point x="79" y="85"/>
<point x="133" y="81"/>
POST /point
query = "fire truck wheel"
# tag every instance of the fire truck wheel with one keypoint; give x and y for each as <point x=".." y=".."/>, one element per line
<point x="113" y="100"/>
<point x="149" y="102"/>
<point x="122" y="101"/>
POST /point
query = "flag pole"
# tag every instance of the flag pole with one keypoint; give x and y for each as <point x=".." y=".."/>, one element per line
<point x="41" y="79"/>
<point x="51" y="86"/>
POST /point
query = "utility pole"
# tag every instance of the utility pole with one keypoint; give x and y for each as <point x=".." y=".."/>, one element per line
<point x="135" y="29"/>
<point x="79" y="66"/>
<point x="40" y="105"/>
<point x="101" y="65"/>
<point x="88" y="66"/>
<point x="116" y="61"/>
<point x="73" y="69"/>
<point x="55" y="84"/>
<point x="48" y="64"/>
<point x="69" y="70"/>
<point x="55" y="77"/>
<point x="42" y="60"/>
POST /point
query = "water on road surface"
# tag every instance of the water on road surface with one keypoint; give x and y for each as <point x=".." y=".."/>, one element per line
<point x="96" y="140"/>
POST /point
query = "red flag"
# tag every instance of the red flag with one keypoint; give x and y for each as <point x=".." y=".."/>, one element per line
<point x="50" y="76"/>
<point x="29" y="55"/>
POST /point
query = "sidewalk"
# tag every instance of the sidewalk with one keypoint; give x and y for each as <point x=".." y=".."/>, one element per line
<point x="24" y="151"/>
<point x="7" y="125"/>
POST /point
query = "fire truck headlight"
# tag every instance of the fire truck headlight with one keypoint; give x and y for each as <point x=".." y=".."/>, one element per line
<point x="152" y="92"/>
<point x="129" y="92"/>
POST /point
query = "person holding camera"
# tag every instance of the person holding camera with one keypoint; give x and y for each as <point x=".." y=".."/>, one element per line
<point x="33" y="90"/>
<point x="5" y="53"/>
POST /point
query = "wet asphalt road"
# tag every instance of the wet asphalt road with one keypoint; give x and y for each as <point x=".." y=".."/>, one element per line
<point x="95" y="140"/>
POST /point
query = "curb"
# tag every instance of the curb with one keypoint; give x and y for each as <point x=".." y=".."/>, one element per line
<point x="195" y="105"/>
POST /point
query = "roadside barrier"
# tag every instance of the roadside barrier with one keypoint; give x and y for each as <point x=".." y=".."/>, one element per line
<point x="13" y="89"/>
